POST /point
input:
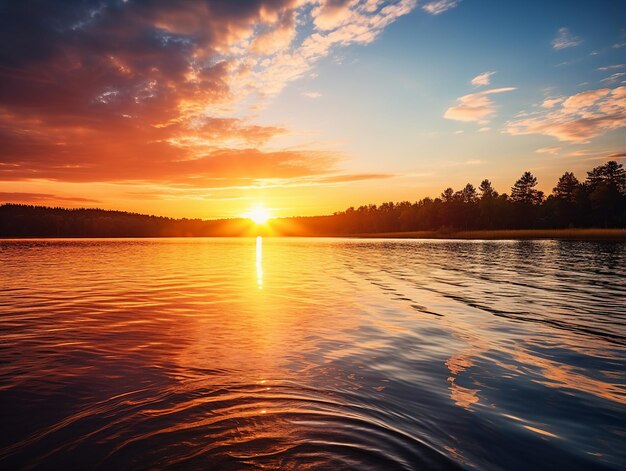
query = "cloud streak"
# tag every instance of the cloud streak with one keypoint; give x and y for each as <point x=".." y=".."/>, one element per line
<point x="38" y="198"/>
<point x="565" y="39"/>
<point x="475" y="107"/>
<point x="438" y="7"/>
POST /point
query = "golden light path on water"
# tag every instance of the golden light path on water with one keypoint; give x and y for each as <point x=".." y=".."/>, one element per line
<point x="259" y="261"/>
<point x="303" y="353"/>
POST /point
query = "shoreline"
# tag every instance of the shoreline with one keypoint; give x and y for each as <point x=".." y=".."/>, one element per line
<point x="505" y="234"/>
<point x="510" y="234"/>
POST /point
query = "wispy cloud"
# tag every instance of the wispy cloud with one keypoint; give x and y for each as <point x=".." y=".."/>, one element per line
<point x="597" y="154"/>
<point x="611" y="67"/>
<point x="476" y="107"/>
<point x="552" y="150"/>
<point x="344" y="178"/>
<point x="464" y="163"/>
<point x="551" y="102"/>
<point x="482" y="79"/>
<point x="565" y="39"/>
<point x="578" y="118"/>
<point x="39" y="198"/>
<point x="613" y="78"/>
<point x="439" y="6"/>
<point x="312" y="94"/>
<point x="331" y="25"/>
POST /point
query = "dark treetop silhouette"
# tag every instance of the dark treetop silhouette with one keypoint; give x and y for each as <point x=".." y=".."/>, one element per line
<point x="599" y="201"/>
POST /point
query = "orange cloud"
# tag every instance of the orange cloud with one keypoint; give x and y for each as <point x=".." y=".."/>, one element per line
<point x="475" y="106"/>
<point x="482" y="79"/>
<point x="332" y="13"/>
<point x="39" y="198"/>
<point x="579" y="118"/>
<point x="551" y="102"/>
<point x="355" y="177"/>
<point x="276" y="38"/>
<point x="549" y="150"/>
<point x="584" y="99"/>
<point x="148" y="92"/>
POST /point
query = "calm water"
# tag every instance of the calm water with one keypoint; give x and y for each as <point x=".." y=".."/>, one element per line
<point x="312" y="353"/>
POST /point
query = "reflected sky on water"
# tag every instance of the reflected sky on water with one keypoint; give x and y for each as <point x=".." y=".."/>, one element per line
<point x="312" y="353"/>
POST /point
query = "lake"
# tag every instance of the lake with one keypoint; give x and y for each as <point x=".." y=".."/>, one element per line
<point x="281" y="353"/>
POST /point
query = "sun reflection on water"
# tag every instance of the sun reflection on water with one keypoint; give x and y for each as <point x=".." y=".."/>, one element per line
<point x="259" y="262"/>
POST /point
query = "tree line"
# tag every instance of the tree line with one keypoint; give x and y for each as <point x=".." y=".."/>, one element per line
<point x="21" y="220"/>
<point x="598" y="201"/>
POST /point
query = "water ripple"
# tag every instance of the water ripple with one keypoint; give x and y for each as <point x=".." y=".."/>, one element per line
<point x="312" y="354"/>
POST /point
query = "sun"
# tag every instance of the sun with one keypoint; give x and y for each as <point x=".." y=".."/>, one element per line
<point x="259" y="215"/>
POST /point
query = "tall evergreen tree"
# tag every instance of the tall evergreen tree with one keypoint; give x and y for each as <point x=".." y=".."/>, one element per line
<point x="468" y="194"/>
<point x="524" y="190"/>
<point x="447" y="195"/>
<point x="567" y="187"/>
<point x="595" y="178"/>
<point x="615" y="176"/>
<point x="606" y="187"/>
<point x="486" y="190"/>
<point x="611" y="174"/>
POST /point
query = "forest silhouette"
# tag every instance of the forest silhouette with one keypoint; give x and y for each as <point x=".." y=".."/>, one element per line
<point x="599" y="202"/>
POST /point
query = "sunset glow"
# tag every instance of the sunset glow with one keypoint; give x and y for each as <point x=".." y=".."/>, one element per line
<point x="196" y="109"/>
<point x="313" y="234"/>
<point x="259" y="215"/>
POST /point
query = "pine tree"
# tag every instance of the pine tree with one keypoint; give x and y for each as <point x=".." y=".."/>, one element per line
<point x="447" y="195"/>
<point x="524" y="190"/>
<point x="567" y="187"/>
<point x="468" y="194"/>
<point x="610" y="174"/>
<point x="615" y="176"/>
<point x="486" y="190"/>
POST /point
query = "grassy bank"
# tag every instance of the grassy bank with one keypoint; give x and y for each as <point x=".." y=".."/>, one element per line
<point x="521" y="234"/>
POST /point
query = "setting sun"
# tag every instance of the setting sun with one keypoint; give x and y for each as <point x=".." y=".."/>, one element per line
<point x="259" y="215"/>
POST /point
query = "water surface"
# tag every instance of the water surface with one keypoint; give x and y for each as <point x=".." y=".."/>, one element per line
<point x="312" y="354"/>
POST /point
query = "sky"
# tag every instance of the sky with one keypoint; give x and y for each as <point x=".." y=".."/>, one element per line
<point x="209" y="108"/>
